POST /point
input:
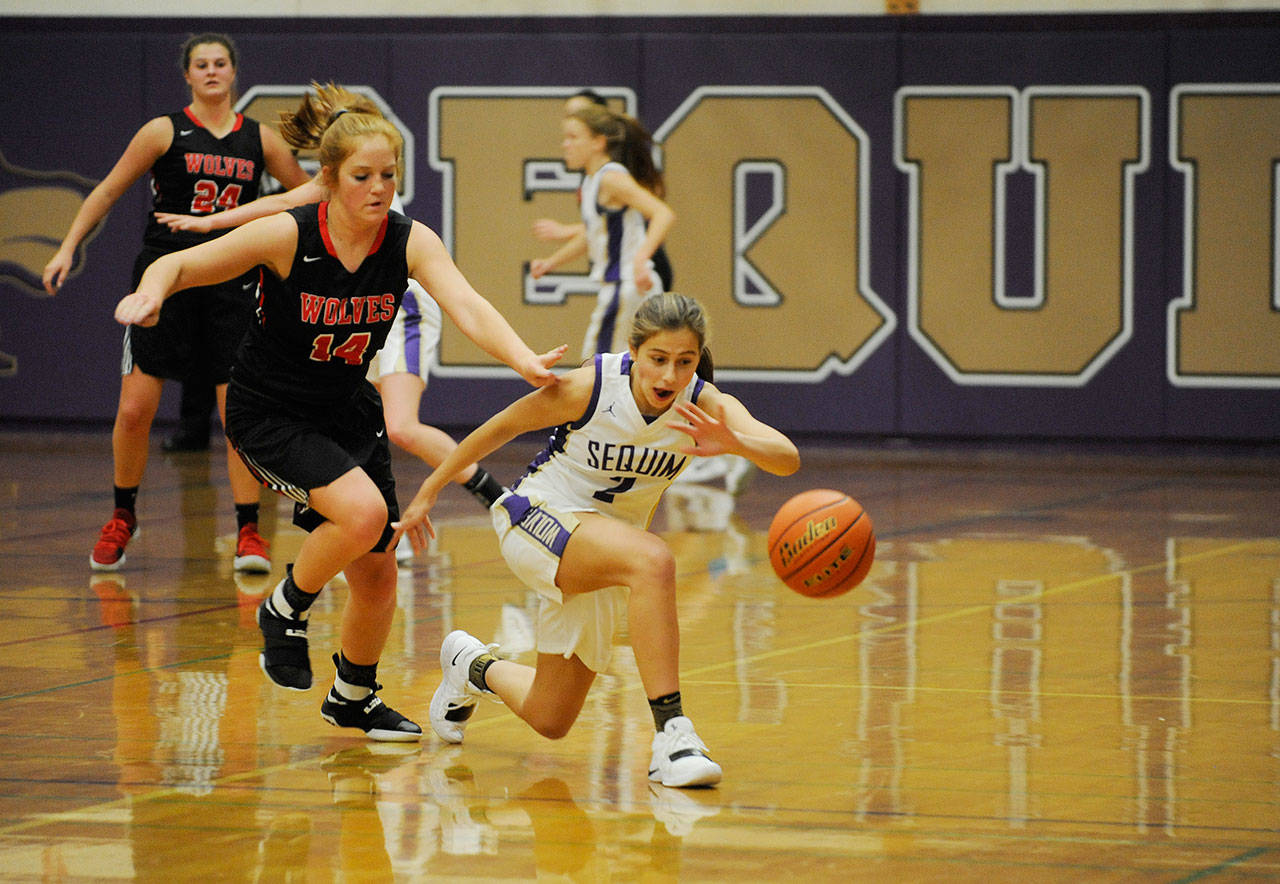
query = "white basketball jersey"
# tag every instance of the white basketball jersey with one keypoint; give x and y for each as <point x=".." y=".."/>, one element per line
<point x="613" y="235"/>
<point x="611" y="460"/>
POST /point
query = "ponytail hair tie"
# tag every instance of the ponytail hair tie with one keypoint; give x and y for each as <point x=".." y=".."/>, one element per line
<point x="337" y="114"/>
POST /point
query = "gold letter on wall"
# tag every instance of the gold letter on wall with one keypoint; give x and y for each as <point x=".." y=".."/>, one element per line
<point x="1083" y="146"/>
<point x="770" y="187"/>
<point x="1225" y="329"/>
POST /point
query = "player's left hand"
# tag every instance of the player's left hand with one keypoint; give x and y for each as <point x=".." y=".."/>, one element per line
<point x="711" y="436"/>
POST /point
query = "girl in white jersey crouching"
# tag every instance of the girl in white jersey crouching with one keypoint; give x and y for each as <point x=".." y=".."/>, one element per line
<point x="574" y="529"/>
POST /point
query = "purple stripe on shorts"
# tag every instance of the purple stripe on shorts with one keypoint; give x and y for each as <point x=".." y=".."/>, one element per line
<point x="412" y="333"/>
<point x="613" y="225"/>
<point x="537" y="523"/>
<point x="608" y="322"/>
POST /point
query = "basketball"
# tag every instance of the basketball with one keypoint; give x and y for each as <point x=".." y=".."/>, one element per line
<point x="821" y="543"/>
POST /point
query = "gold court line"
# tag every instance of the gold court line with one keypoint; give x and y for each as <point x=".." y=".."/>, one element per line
<point x="1055" y="695"/>
<point x="957" y="613"/>
<point x="510" y="717"/>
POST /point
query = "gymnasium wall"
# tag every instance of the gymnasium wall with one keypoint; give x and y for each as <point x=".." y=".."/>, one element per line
<point x="989" y="226"/>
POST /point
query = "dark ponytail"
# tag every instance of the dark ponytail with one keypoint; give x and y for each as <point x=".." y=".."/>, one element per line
<point x="706" y="365"/>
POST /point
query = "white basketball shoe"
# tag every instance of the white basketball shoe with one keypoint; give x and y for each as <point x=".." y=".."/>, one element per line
<point x="454" y="702"/>
<point x="680" y="758"/>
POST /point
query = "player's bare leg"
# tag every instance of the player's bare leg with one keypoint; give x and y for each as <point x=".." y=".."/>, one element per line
<point x="130" y="435"/>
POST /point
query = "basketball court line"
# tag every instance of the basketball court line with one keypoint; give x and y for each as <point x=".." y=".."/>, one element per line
<point x="47" y="636"/>
<point x="1223" y="866"/>
<point x="688" y="675"/>
<point x="957" y="613"/>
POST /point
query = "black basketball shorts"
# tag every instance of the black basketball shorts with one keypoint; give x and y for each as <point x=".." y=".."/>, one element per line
<point x="199" y="329"/>
<point x="293" y="452"/>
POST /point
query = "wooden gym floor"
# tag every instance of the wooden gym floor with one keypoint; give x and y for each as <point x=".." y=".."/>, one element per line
<point x="1064" y="666"/>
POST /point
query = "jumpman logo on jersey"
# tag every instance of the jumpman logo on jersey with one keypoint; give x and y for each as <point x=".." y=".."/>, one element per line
<point x="610" y="410"/>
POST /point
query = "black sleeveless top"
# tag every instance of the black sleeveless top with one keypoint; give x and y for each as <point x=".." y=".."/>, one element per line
<point x="200" y="174"/>
<point x="317" y="331"/>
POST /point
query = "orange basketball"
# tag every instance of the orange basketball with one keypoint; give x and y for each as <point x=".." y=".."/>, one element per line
<point x="821" y="543"/>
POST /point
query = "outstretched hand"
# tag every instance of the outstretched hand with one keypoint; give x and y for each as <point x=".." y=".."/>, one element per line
<point x="194" y="223"/>
<point x="538" y="372"/>
<point x="138" y="309"/>
<point x="710" y="435"/>
<point x="414" y="523"/>
<point x="549" y="230"/>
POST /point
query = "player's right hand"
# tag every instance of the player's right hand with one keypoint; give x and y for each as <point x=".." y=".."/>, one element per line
<point x="55" y="272"/>
<point x="549" y="230"/>
<point x="539" y="373"/>
<point x="138" y="309"/>
<point x="415" y="520"/>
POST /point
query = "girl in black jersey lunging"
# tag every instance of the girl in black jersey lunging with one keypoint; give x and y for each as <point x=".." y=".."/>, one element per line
<point x="299" y="409"/>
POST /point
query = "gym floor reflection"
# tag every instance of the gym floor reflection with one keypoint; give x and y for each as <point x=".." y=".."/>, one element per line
<point x="1064" y="665"/>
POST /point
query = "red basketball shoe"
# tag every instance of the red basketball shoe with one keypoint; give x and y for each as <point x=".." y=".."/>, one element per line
<point x="108" y="552"/>
<point x="251" y="551"/>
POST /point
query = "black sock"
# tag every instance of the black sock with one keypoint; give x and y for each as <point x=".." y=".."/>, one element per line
<point x="364" y="676"/>
<point x="479" y="666"/>
<point x="664" y="709"/>
<point x="485" y="488"/>
<point x="298" y="600"/>
<point x="246" y="514"/>
<point x="126" y="498"/>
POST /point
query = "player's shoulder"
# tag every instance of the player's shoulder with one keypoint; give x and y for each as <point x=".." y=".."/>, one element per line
<point x="289" y="221"/>
<point x="566" y="400"/>
<point x="152" y="140"/>
<point x="162" y="126"/>
<point x="575" y="385"/>
<point x="707" y="393"/>
<point x="419" y="233"/>
<point x="581" y="378"/>
<point x="614" y="175"/>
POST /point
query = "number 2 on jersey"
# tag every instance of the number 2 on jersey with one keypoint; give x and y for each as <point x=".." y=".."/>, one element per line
<point x="607" y="494"/>
<point x="207" y="199"/>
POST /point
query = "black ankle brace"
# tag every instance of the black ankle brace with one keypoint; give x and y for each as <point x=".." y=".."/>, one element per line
<point x="665" y="708"/>
<point x="479" y="666"/>
<point x="351" y="673"/>
<point x="484" y="487"/>
<point x="298" y="600"/>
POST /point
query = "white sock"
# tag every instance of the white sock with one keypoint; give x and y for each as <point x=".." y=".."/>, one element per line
<point x="282" y="607"/>
<point x="348" y="691"/>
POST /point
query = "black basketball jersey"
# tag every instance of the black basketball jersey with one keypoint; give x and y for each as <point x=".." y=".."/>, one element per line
<point x="200" y="174"/>
<point x="317" y="330"/>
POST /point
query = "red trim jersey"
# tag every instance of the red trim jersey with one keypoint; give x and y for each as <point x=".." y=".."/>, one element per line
<point x="317" y="330"/>
<point x="200" y="175"/>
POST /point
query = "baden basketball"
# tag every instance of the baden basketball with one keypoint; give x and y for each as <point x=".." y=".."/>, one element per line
<point x="821" y="543"/>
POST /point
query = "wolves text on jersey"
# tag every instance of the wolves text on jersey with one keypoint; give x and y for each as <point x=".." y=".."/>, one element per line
<point x="221" y="166"/>
<point x="347" y="311"/>
<point x="631" y="459"/>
